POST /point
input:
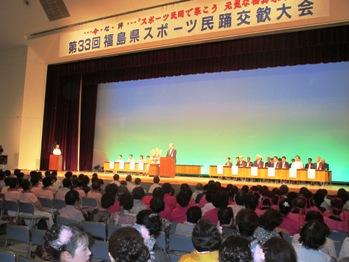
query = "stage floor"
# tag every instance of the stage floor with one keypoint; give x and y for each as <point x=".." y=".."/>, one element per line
<point x="192" y="181"/>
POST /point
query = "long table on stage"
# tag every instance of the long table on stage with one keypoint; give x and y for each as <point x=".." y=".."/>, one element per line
<point x="302" y="175"/>
<point x="151" y="169"/>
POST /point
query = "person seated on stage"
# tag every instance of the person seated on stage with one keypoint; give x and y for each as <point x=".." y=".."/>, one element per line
<point x="57" y="151"/>
<point x="125" y="217"/>
<point x="241" y="162"/>
<point x="193" y="215"/>
<point x="178" y="214"/>
<point x="248" y="162"/>
<point x="127" y="244"/>
<point x="67" y="243"/>
<point x="319" y="164"/>
<point x="138" y="194"/>
<point x="269" y="162"/>
<point x="29" y="197"/>
<point x="258" y="162"/>
<point x="62" y="191"/>
<point x="46" y="190"/>
<point x="141" y="159"/>
<point x="206" y="241"/>
<point x="120" y="159"/>
<point x="326" y="165"/>
<point x="309" y="164"/>
<point x="337" y="219"/>
<point x="147" y="160"/>
<point x="95" y="192"/>
<point x="156" y="184"/>
<point x="312" y="238"/>
<point x="276" y="162"/>
<point x="130" y="186"/>
<point x="297" y="164"/>
<point x="226" y="222"/>
<point x="284" y="163"/>
<point x="116" y="179"/>
<point x="130" y="158"/>
<point x="72" y="209"/>
<point x="228" y="162"/>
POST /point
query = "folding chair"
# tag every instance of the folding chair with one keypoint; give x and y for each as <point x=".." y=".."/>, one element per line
<point x="37" y="237"/>
<point x="46" y="202"/>
<point x="181" y="243"/>
<point x="7" y="256"/>
<point x="95" y="229"/>
<point x="88" y="202"/>
<point x="26" y="211"/>
<point x="161" y="241"/>
<point x="111" y="228"/>
<point x="66" y="221"/>
<point x="99" y="250"/>
<point x="338" y="238"/>
<point x="11" y="206"/>
<point x="18" y="233"/>
<point x="58" y="204"/>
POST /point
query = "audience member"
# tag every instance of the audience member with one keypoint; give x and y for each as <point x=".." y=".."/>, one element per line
<point x="72" y="210"/>
<point x="235" y="249"/>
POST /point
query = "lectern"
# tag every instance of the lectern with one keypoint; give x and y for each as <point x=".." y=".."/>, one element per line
<point x="167" y="167"/>
<point x="55" y="163"/>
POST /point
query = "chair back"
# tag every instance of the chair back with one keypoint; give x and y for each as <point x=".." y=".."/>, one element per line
<point x="7" y="256"/>
<point x="10" y="205"/>
<point x="338" y="238"/>
<point x="111" y="228"/>
<point x="66" y="221"/>
<point x="18" y="233"/>
<point x="24" y="259"/>
<point x="37" y="237"/>
<point x="46" y="202"/>
<point x="95" y="229"/>
<point x="27" y="208"/>
<point x="181" y="243"/>
<point x="99" y="250"/>
<point x="89" y="202"/>
<point x="58" y="203"/>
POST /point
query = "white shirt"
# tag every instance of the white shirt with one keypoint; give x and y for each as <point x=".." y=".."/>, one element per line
<point x="57" y="152"/>
<point x="297" y="165"/>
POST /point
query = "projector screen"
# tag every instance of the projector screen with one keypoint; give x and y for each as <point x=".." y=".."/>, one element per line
<point x="279" y="111"/>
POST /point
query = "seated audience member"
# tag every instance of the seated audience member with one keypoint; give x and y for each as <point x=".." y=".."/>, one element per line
<point x="138" y="182"/>
<point x="193" y="216"/>
<point x="126" y="244"/>
<point x="72" y="210"/>
<point x="130" y="186"/>
<point x="125" y="217"/>
<point x="46" y="190"/>
<point x="156" y="184"/>
<point x="251" y="201"/>
<point x="268" y="223"/>
<point x="275" y="250"/>
<point x="312" y="237"/>
<point x="246" y="222"/>
<point x="62" y="191"/>
<point x="169" y="200"/>
<point x="152" y="223"/>
<point x="239" y="202"/>
<point x="235" y="249"/>
<point x="76" y="185"/>
<point x="178" y="214"/>
<point x="297" y="214"/>
<point x="12" y="193"/>
<point x="206" y="240"/>
<point x="29" y="197"/>
<point x="95" y="192"/>
<point x="219" y="200"/>
<point x="226" y="222"/>
<point x="6" y="186"/>
<point x="212" y="189"/>
<point x="138" y="194"/>
<point x="36" y="183"/>
<point x="344" y="252"/>
<point x="337" y="219"/>
<point x="116" y="178"/>
<point x="67" y="243"/>
<point x="328" y="248"/>
<point x="288" y="224"/>
<point x="199" y="190"/>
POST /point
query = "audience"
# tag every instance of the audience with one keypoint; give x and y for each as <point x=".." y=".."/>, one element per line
<point x="71" y="210"/>
<point x="235" y="249"/>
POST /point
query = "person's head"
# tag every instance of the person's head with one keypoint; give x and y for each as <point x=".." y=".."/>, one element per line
<point x="240" y="198"/>
<point x="194" y="214"/>
<point x="270" y="219"/>
<point x="235" y="249"/>
<point x="313" y="234"/>
<point x="171" y="146"/>
<point x="57" y="146"/>
<point x="13" y="182"/>
<point x="336" y="206"/>
<point x="251" y="201"/>
<point x="66" y="183"/>
<point x="127" y="245"/>
<point x="206" y="236"/>
<point x="167" y="188"/>
<point x="46" y="182"/>
<point x="25" y="185"/>
<point x="277" y="249"/>
<point x="310" y="160"/>
<point x="116" y="177"/>
<point x="107" y="200"/>
<point x="183" y="198"/>
<point x="111" y="189"/>
<point x="138" y="181"/>
<point x="247" y="222"/>
<point x="285" y="207"/>
<point x="150" y="220"/>
<point x="67" y="244"/>
<point x="297" y="158"/>
<point x="283" y="159"/>
<point x="72" y="197"/>
<point x="158" y="193"/>
<point x="157" y="204"/>
<point x="226" y="216"/>
<point x="128" y="178"/>
<point x="156" y="179"/>
<point x="96" y="186"/>
<point x="248" y="159"/>
<point x="138" y="193"/>
<point x="258" y="157"/>
<point x="314" y="215"/>
<point x="130" y="156"/>
<point x="126" y="201"/>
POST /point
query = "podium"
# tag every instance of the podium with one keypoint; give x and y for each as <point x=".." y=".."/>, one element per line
<point x="167" y="167"/>
<point x="55" y="163"/>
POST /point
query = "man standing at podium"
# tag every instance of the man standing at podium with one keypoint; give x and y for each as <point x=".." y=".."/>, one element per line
<point x="57" y="151"/>
<point x="171" y="152"/>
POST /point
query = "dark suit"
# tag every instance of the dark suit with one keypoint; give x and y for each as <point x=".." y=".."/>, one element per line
<point x="278" y="164"/>
<point x="285" y="165"/>
<point x="249" y="164"/>
<point x="241" y="163"/>
<point x="309" y="166"/>
<point x="259" y="164"/>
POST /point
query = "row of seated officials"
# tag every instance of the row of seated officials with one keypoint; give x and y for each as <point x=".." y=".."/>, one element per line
<point x="281" y="211"/>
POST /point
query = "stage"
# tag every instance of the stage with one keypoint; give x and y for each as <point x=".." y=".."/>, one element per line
<point x="192" y="181"/>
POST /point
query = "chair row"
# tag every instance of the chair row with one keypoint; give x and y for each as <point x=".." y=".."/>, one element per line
<point x="9" y="256"/>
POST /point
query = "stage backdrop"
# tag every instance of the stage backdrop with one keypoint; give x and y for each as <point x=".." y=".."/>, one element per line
<point x="274" y="111"/>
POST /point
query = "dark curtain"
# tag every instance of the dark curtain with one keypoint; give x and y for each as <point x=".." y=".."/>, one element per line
<point x="61" y="119"/>
<point x="87" y="126"/>
<point x="303" y="47"/>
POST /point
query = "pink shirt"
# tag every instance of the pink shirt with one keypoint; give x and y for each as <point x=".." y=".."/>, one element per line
<point x="290" y="226"/>
<point x="12" y="195"/>
<point x="170" y="201"/>
<point x="179" y="214"/>
<point x="211" y="216"/>
<point x="28" y="197"/>
<point x="61" y="193"/>
<point x="45" y="193"/>
<point x="336" y="225"/>
<point x="96" y="195"/>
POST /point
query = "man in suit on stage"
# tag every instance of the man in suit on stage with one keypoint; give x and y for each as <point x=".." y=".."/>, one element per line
<point x="284" y="163"/>
<point x="310" y="164"/>
<point x="319" y="165"/>
<point x="258" y="163"/>
<point x="248" y="162"/>
<point x="241" y="162"/>
<point x="276" y="162"/>
<point x="171" y="152"/>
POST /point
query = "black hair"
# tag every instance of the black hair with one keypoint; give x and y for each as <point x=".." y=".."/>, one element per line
<point x="157" y="204"/>
<point x="156" y="179"/>
<point x="251" y="201"/>
<point x="66" y="182"/>
<point x="138" y="193"/>
<point x="46" y="182"/>
<point x="285" y="207"/>
<point x="240" y="198"/>
<point x="270" y="219"/>
<point x="167" y="188"/>
<point x="194" y="214"/>
<point x="25" y="185"/>
<point x="225" y="215"/>
<point x="150" y="220"/>
<point x="13" y="182"/>
<point x="314" y="215"/>
<point x="206" y="236"/>
<point x="127" y="245"/>
<point x="183" y="198"/>
<point x="220" y="199"/>
<point x="138" y="181"/>
<point x="313" y="234"/>
<point x="277" y="249"/>
<point x="126" y="201"/>
<point x="107" y="200"/>
<point x="128" y="178"/>
<point x="158" y="193"/>
<point x="116" y="177"/>
<point x="111" y="189"/>
<point x="235" y="249"/>
<point x="71" y="197"/>
<point x="247" y="222"/>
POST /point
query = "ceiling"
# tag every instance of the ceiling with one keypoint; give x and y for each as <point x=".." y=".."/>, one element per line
<point x="22" y="18"/>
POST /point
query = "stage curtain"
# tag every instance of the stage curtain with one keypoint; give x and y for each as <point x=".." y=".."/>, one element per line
<point x="303" y="47"/>
<point x="87" y="127"/>
<point x="61" y="119"/>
